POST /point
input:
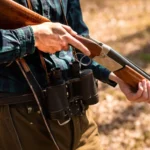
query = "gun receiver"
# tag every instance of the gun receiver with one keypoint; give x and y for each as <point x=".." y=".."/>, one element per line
<point x="14" y="15"/>
<point x="121" y="66"/>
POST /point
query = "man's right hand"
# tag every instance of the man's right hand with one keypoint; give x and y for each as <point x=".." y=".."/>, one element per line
<point x="52" y="37"/>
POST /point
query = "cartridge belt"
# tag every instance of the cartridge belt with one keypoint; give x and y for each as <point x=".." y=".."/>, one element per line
<point x="62" y="99"/>
<point x="76" y="106"/>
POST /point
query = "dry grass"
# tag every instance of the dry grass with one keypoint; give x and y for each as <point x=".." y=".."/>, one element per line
<point x="125" y="26"/>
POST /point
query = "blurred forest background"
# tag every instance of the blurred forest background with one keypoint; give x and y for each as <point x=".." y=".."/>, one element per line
<point x="125" y="26"/>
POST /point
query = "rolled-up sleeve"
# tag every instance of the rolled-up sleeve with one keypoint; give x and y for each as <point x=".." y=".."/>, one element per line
<point x="16" y="43"/>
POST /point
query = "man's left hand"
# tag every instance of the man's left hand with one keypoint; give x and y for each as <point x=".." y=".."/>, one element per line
<point x="142" y="94"/>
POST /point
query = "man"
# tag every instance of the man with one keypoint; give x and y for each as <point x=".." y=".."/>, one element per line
<point x="21" y="125"/>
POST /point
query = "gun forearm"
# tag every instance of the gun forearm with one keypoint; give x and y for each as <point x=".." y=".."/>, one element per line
<point x="129" y="76"/>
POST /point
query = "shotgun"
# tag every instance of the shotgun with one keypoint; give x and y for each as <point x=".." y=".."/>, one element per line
<point x="14" y="15"/>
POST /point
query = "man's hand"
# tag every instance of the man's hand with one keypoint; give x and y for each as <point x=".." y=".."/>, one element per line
<point x="52" y="37"/>
<point x="142" y="95"/>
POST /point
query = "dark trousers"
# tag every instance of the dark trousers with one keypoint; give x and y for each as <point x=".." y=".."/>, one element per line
<point x="22" y="128"/>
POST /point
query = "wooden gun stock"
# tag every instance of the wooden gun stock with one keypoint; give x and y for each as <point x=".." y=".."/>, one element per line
<point x="14" y="15"/>
<point x="130" y="76"/>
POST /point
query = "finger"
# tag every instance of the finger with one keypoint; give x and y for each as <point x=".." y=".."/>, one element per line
<point x="69" y="30"/>
<point x="136" y="96"/>
<point x="144" y="95"/>
<point x="77" y="44"/>
<point x="148" y="89"/>
<point x="50" y="50"/>
<point x="65" y="47"/>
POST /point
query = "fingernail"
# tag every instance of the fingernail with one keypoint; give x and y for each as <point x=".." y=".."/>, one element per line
<point x="74" y="32"/>
<point x="149" y="83"/>
<point x="140" y="84"/>
<point x="88" y="53"/>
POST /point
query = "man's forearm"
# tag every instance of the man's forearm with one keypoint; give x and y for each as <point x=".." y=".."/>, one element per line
<point x="18" y="43"/>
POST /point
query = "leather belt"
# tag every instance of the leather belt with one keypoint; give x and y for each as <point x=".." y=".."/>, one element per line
<point x="10" y="98"/>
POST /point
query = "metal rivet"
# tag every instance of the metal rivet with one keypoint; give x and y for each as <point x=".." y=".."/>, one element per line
<point x="38" y="112"/>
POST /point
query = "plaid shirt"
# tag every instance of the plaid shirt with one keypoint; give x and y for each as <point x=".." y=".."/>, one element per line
<point x="20" y="43"/>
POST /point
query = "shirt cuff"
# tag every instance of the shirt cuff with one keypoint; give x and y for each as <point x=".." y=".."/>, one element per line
<point x="27" y="41"/>
<point x="107" y="80"/>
